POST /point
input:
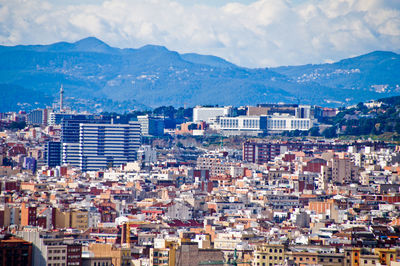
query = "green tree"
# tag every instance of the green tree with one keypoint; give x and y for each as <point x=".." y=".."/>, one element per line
<point x="330" y="132"/>
<point x="314" y="132"/>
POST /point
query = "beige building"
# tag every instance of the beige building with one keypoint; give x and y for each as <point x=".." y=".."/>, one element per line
<point x="120" y="256"/>
<point x="74" y="218"/>
<point x="269" y="254"/>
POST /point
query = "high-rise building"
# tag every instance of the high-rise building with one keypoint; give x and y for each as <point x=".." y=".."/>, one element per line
<point x="53" y="153"/>
<point x="303" y="111"/>
<point x="151" y="126"/>
<point x="108" y="145"/>
<point x="70" y="135"/>
<point x="206" y="113"/>
<point x="35" y="117"/>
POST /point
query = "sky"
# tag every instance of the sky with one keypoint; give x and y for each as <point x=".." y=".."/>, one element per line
<point x="250" y="33"/>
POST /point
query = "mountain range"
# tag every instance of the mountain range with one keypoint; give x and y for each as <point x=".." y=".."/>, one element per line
<point x="97" y="77"/>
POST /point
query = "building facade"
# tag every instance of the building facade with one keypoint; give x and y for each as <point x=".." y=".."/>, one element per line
<point x="206" y="113"/>
<point x="108" y="145"/>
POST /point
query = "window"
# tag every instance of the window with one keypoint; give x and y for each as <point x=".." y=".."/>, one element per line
<point x="365" y="261"/>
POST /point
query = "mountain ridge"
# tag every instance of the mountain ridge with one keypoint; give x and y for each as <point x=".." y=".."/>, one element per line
<point x="153" y="75"/>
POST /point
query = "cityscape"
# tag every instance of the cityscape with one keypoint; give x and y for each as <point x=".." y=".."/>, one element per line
<point x="187" y="133"/>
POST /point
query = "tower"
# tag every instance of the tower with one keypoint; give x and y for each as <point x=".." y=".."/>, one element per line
<point x="61" y="98"/>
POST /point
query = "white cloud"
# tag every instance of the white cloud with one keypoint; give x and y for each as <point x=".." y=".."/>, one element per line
<point x="252" y="33"/>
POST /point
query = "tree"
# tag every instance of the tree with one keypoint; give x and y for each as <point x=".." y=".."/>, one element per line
<point x="330" y="132"/>
<point x="314" y="132"/>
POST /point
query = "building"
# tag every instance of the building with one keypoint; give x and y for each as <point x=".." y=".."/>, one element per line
<point x="151" y="126"/>
<point x="70" y="135"/>
<point x="303" y="111"/>
<point x="279" y="123"/>
<point x="28" y="215"/>
<point x="94" y="261"/>
<point x="108" y="145"/>
<point x="37" y="117"/>
<point x="340" y="170"/>
<point x="120" y="256"/>
<point x="269" y="254"/>
<point x="15" y="251"/>
<point x="205" y="114"/>
<point x="243" y="125"/>
<point x="53" y="153"/>
<point x="50" y="248"/>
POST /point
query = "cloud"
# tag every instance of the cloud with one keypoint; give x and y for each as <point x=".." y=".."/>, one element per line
<point x="253" y="33"/>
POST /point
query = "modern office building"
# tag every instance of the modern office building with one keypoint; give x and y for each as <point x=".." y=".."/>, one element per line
<point x="243" y="125"/>
<point x="303" y="111"/>
<point x="70" y="135"/>
<point x="108" y="145"/>
<point x="53" y="153"/>
<point x="151" y="126"/>
<point x="206" y="113"/>
<point x="280" y="123"/>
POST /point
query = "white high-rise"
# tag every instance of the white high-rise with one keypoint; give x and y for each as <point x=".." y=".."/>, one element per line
<point x="205" y="114"/>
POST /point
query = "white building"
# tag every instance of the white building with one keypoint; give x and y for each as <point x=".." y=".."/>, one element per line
<point x="243" y="125"/>
<point x="206" y="113"/>
<point x="303" y="111"/>
<point x="287" y="123"/>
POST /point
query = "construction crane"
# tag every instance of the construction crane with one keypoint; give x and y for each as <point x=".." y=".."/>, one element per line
<point x="235" y="261"/>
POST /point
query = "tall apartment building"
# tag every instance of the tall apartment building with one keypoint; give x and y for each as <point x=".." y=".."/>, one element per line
<point x="339" y="170"/>
<point x="206" y="113"/>
<point x="151" y="126"/>
<point x="108" y="145"/>
<point x="37" y="117"/>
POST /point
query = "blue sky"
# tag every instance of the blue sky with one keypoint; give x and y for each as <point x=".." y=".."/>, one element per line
<point x="252" y="33"/>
